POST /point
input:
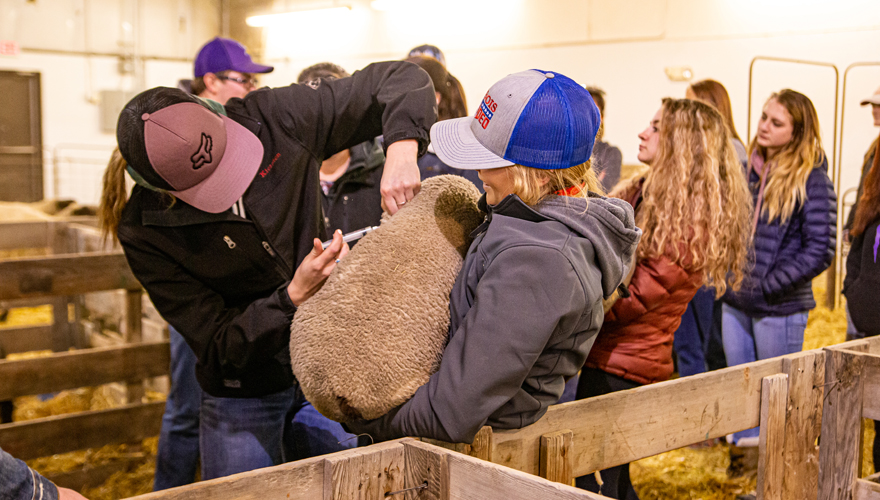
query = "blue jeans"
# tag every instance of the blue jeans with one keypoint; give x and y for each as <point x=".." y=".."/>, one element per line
<point x="178" y="455"/>
<point x="697" y="342"/>
<point x="242" y="434"/>
<point x="748" y="339"/>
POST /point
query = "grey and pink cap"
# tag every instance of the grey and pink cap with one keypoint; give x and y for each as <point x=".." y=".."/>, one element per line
<point x="178" y="145"/>
<point x="535" y="118"/>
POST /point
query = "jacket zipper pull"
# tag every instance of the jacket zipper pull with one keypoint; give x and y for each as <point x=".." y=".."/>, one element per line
<point x="269" y="248"/>
<point x="229" y="241"/>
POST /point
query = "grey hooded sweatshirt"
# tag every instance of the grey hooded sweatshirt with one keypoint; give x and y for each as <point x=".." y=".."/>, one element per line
<point x="525" y="310"/>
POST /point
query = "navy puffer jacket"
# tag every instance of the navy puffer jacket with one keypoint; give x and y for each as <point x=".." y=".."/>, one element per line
<point x="787" y="256"/>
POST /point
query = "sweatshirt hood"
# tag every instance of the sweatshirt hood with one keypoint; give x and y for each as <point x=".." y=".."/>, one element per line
<point x="607" y="224"/>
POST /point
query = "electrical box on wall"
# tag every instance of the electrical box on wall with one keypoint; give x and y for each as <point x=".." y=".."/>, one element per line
<point x="112" y="102"/>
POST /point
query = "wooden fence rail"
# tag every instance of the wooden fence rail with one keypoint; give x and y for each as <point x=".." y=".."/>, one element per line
<point x="785" y="395"/>
<point x="78" y="263"/>
<point x="381" y="472"/>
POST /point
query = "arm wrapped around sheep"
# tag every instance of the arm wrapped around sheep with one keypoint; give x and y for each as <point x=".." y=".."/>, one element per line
<point x="376" y="331"/>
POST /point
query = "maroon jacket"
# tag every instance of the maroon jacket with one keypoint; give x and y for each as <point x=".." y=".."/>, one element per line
<point x="636" y="338"/>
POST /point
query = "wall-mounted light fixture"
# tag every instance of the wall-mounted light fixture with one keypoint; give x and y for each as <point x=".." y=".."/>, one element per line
<point x="679" y="73"/>
<point x="297" y="16"/>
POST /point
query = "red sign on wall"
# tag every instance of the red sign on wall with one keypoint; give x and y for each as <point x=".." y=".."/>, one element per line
<point x="8" y="48"/>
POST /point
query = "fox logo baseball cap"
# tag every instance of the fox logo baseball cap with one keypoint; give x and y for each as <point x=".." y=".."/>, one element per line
<point x="535" y="118"/>
<point x="176" y="144"/>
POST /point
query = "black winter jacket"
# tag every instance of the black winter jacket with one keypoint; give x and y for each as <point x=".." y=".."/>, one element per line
<point x="354" y="201"/>
<point x="221" y="279"/>
<point x="862" y="281"/>
<point x="787" y="256"/>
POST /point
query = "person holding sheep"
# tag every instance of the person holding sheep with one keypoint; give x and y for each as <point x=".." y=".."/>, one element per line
<point x="527" y="304"/>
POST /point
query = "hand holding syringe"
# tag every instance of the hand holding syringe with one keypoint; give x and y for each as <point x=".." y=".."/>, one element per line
<point x="352" y="236"/>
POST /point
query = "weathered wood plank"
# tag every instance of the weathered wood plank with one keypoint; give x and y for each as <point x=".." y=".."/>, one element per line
<point x="91" y="476"/>
<point x="24" y="339"/>
<point x="425" y="465"/>
<point x="25" y="234"/>
<point x="615" y="429"/>
<point x="65" y="275"/>
<point x="83" y="368"/>
<point x="60" y="434"/>
<point x="806" y="381"/>
<point x="481" y="447"/>
<point x="867" y="489"/>
<point x="771" y="444"/>
<point x="364" y="473"/>
<point x="133" y="334"/>
<point x="62" y="339"/>
<point x="300" y="480"/>
<point x="841" y="419"/>
<point x="471" y="478"/>
<point x="556" y="457"/>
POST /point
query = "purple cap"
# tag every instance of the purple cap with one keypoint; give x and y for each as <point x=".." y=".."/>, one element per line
<point x="180" y="146"/>
<point x="224" y="54"/>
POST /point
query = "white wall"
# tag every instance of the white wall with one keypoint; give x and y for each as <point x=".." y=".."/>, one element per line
<point x="622" y="46"/>
<point x="161" y="35"/>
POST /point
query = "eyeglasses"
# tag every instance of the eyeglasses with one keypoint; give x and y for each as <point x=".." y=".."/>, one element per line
<point x="247" y="82"/>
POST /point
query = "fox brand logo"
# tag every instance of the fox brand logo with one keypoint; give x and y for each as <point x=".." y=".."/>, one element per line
<point x="486" y="111"/>
<point x="203" y="155"/>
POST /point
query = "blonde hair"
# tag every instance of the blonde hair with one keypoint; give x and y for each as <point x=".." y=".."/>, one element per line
<point x="114" y="194"/>
<point x="696" y="203"/>
<point x="529" y="185"/>
<point x="786" y="185"/>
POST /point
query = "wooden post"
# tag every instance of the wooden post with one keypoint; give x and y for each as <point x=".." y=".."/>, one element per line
<point x="364" y="473"/>
<point x="60" y="324"/>
<point x="803" y="423"/>
<point x="771" y="444"/>
<point x="481" y="448"/>
<point x="425" y="465"/>
<point x="132" y="334"/>
<point x="841" y="429"/>
<point x="555" y="461"/>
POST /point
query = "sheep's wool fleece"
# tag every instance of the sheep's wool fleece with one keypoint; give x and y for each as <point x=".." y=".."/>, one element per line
<point x="376" y="330"/>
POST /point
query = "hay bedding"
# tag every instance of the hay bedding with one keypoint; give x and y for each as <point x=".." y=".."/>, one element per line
<point x="376" y="330"/>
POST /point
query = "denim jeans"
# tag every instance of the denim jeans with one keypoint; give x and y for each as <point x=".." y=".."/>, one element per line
<point x="851" y="332"/>
<point x="616" y="482"/>
<point x="748" y="339"/>
<point x="697" y="342"/>
<point x="242" y="434"/>
<point x="178" y="455"/>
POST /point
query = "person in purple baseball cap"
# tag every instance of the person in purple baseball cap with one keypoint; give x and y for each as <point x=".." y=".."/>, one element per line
<point x="528" y="301"/>
<point x="224" y="69"/>
<point x="223" y="229"/>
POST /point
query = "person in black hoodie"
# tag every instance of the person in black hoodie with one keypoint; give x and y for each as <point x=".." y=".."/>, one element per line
<point x="223" y="229"/>
<point x="350" y="178"/>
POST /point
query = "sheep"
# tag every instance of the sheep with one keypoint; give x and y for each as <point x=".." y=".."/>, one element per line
<point x="376" y="330"/>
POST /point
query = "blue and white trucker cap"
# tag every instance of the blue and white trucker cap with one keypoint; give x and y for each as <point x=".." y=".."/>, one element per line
<point x="534" y="118"/>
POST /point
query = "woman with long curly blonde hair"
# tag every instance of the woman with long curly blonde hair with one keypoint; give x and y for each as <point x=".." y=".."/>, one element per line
<point x="693" y="208"/>
<point x="794" y="234"/>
